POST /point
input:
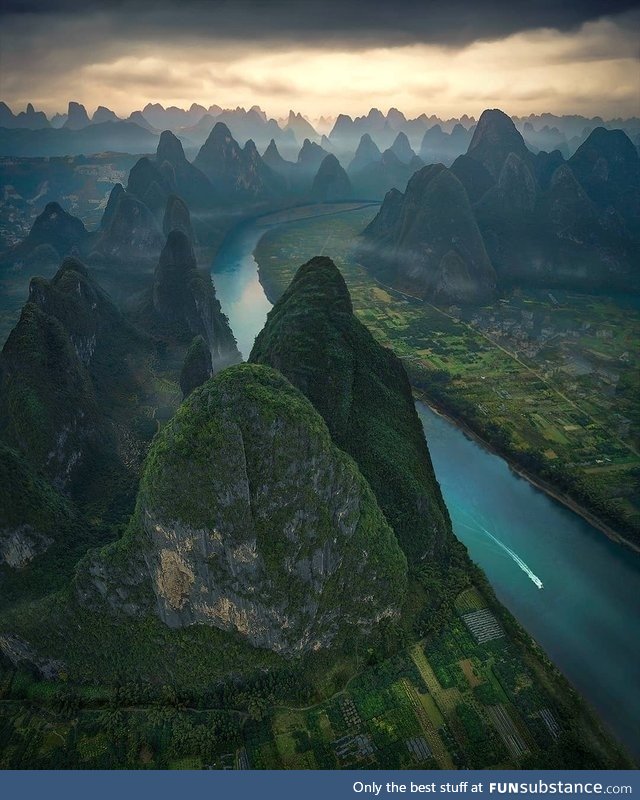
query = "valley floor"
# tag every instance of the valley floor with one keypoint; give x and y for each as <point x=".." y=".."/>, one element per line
<point x="476" y="692"/>
<point x="470" y="696"/>
<point x="548" y="379"/>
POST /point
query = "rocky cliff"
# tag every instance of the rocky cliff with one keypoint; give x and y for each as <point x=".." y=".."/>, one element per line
<point x="57" y="378"/>
<point x="131" y="234"/>
<point x="236" y="174"/>
<point x="54" y="234"/>
<point x="197" y="367"/>
<point x="251" y="520"/>
<point x="361" y="390"/>
<point x="32" y="514"/>
<point x="494" y="138"/>
<point x="427" y="241"/>
<point x="48" y="408"/>
<point x="152" y="180"/>
<point x="182" y="302"/>
<point x="331" y="182"/>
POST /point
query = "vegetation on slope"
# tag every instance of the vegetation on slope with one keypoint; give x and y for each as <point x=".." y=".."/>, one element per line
<point x="363" y="394"/>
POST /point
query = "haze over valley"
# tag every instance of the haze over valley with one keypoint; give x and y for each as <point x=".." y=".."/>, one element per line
<point x="319" y="424"/>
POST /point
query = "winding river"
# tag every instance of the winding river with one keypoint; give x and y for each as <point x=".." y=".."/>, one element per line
<point x="574" y="590"/>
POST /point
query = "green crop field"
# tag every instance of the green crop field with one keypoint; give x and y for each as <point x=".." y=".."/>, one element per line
<point x="549" y="379"/>
<point x="443" y="702"/>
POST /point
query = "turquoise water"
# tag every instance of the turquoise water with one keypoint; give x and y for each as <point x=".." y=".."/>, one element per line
<point x="235" y="275"/>
<point x="586" y="615"/>
<point x="576" y="592"/>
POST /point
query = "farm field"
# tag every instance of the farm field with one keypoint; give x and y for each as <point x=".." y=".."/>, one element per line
<point x="444" y="702"/>
<point x="417" y="709"/>
<point x="550" y="379"/>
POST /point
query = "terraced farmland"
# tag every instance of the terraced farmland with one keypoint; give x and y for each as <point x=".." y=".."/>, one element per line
<point x="549" y="380"/>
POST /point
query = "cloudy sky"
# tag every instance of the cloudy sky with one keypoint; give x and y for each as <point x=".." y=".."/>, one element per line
<point x="324" y="57"/>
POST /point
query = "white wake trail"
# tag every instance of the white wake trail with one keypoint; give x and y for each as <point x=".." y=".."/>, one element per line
<point x="514" y="556"/>
<point x="523" y="566"/>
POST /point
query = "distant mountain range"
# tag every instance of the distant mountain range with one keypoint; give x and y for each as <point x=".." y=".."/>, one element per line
<point x="116" y="137"/>
<point x="504" y="216"/>
<point x="433" y="139"/>
<point x="458" y="231"/>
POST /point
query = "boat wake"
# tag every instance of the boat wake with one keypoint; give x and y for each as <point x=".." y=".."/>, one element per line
<point x="513" y="555"/>
<point x="523" y="566"/>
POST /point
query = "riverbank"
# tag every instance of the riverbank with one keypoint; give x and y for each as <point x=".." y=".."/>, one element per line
<point x="571" y="449"/>
<point x="537" y="482"/>
<point x="273" y="289"/>
<point x="591" y="584"/>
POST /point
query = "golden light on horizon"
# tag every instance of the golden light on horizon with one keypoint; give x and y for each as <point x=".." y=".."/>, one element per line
<point x="593" y="70"/>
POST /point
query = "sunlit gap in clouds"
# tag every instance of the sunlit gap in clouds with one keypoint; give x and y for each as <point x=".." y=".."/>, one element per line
<point x="592" y="70"/>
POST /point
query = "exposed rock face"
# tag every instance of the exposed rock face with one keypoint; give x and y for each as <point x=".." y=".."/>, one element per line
<point x="184" y="301"/>
<point x="494" y="138"/>
<point x="361" y="390"/>
<point x="429" y="243"/>
<point x="32" y="515"/>
<point x="20" y="545"/>
<point x="20" y="652"/>
<point x="331" y="182"/>
<point x="251" y="520"/>
<point x="197" y="367"/>
<point x="235" y="172"/>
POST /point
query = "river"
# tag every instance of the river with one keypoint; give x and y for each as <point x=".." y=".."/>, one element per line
<point x="574" y="590"/>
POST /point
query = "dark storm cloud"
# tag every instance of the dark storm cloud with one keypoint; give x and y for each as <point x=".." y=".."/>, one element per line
<point x="448" y="22"/>
<point x="324" y="56"/>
